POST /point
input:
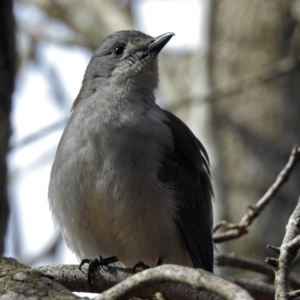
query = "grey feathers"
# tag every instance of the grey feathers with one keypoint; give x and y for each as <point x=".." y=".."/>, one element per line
<point x="129" y="179"/>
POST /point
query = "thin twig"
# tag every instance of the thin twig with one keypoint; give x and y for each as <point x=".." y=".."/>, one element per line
<point x="39" y="134"/>
<point x="40" y="34"/>
<point x="239" y="229"/>
<point x="268" y="73"/>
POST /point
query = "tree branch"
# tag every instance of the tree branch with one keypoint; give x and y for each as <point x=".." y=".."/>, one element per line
<point x="252" y="265"/>
<point x="245" y="264"/>
<point x="239" y="229"/>
<point x="288" y="252"/>
<point x="260" y="290"/>
<point x="174" y="282"/>
<point x="197" y="278"/>
<point x="31" y="138"/>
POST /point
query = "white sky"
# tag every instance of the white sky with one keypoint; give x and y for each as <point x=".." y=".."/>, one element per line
<point x="33" y="110"/>
<point x="184" y="18"/>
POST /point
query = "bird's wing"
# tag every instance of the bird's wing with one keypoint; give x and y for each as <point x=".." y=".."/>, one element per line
<point x="186" y="168"/>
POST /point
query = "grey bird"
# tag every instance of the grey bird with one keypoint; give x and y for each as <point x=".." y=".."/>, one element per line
<point x="130" y="179"/>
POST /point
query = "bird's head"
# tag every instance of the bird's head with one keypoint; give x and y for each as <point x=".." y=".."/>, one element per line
<point x="126" y="58"/>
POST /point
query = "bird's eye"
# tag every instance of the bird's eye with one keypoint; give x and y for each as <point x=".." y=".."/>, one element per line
<point x="118" y="51"/>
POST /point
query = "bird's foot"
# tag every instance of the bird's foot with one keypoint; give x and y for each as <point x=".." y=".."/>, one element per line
<point x="94" y="263"/>
<point x="140" y="265"/>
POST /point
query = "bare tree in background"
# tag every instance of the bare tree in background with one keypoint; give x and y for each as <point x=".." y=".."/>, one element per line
<point x="7" y="76"/>
<point x="249" y="91"/>
<point x="258" y="123"/>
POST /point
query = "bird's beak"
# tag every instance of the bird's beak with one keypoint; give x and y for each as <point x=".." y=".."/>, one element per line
<point x="158" y="43"/>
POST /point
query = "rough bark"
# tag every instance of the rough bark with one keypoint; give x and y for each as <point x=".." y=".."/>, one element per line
<point x="21" y="282"/>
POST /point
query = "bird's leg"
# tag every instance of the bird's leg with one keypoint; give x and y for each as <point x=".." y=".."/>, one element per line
<point x="94" y="263"/>
<point x="140" y="265"/>
<point x="143" y="266"/>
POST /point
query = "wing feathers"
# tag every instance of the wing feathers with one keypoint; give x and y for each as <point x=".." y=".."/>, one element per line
<point x="186" y="167"/>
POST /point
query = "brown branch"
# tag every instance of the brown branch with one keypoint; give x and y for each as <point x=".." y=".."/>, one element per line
<point x="239" y="229"/>
<point x="245" y="264"/>
<point x="252" y="265"/>
<point x="260" y="290"/>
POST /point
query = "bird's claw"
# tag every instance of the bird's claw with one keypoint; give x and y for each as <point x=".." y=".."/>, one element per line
<point x="139" y="265"/>
<point x="94" y="263"/>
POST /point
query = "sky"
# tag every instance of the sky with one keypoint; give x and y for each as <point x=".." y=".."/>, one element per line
<point x="34" y="109"/>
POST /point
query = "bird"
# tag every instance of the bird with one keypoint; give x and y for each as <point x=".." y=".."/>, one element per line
<point x="130" y="180"/>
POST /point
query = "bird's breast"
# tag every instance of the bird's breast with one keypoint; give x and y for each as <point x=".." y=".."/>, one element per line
<point x="127" y="211"/>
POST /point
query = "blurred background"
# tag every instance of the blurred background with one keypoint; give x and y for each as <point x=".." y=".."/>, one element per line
<point x="219" y="48"/>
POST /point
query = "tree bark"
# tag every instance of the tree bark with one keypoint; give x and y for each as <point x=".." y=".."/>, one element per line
<point x="22" y="282"/>
<point x="7" y="75"/>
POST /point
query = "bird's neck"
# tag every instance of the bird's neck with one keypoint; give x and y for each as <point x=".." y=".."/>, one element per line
<point x="127" y="94"/>
<point x="118" y="106"/>
<point x="116" y="94"/>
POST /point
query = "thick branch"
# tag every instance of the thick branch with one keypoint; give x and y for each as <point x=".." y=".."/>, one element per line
<point x="245" y="264"/>
<point x="174" y="282"/>
<point x="252" y="265"/>
<point x="197" y="278"/>
<point x="75" y="280"/>
<point x="260" y="290"/>
<point x="288" y="252"/>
